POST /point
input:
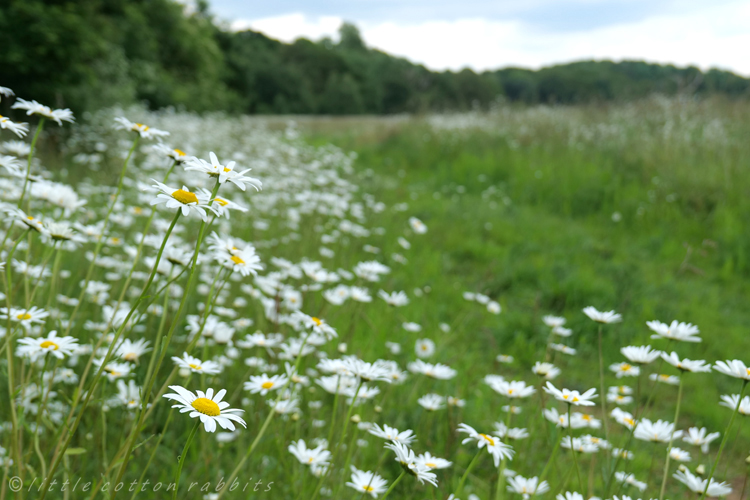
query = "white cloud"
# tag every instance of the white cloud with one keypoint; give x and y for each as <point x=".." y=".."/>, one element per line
<point x="707" y="37"/>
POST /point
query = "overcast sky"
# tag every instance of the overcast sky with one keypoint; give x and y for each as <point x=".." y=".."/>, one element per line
<point x="484" y="34"/>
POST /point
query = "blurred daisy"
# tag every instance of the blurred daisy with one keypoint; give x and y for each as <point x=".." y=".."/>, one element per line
<point x="424" y="348"/>
<point x="396" y="299"/>
<point x="698" y="485"/>
<point x="527" y="487"/>
<point x="417" y="225"/>
<point x="640" y="355"/>
<point x="26" y="317"/>
<point x="34" y="108"/>
<point x="734" y="368"/>
<point x="263" y="384"/>
<point x="224" y="173"/>
<point x="392" y="434"/>
<point x="367" y="482"/>
<point x="432" y="402"/>
<point x="195" y="365"/>
<point x="686" y="365"/>
<point x="494" y="444"/>
<point x="625" y="370"/>
<point x="142" y="130"/>
<point x="318" y="456"/>
<point x="700" y="437"/>
<point x="602" y="317"/>
<point x="546" y="370"/>
<point x="571" y="397"/>
<point x="684" y="332"/>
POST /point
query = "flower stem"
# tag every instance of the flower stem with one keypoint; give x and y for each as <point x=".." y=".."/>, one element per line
<point x="31" y="155"/>
<point x="724" y="439"/>
<point x="460" y="488"/>
<point x="573" y="450"/>
<point x="388" y="492"/>
<point x="182" y="459"/>
<point x="671" y="438"/>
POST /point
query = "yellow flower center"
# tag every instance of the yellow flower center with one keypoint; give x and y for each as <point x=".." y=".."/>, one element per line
<point x="626" y="367"/>
<point x="138" y="210"/>
<point x="317" y="321"/>
<point x="24" y="316"/>
<point x="431" y="465"/>
<point x="48" y="343"/>
<point x="310" y="460"/>
<point x="630" y="421"/>
<point x="142" y="126"/>
<point x="565" y="396"/>
<point x="179" y="153"/>
<point x="185" y="197"/>
<point x="488" y="439"/>
<point x="207" y="407"/>
<point x="586" y="417"/>
<point x="195" y="367"/>
<point x="221" y="202"/>
<point x="131" y="356"/>
<point x="267" y="385"/>
<point x="237" y="260"/>
<point x="367" y="487"/>
<point x="227" y="169"/>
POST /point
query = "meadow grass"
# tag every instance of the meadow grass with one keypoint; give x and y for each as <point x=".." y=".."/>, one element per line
<point x="638" y="208"/>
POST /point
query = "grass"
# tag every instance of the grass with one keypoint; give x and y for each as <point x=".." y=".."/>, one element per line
<point x="640" y="208"/>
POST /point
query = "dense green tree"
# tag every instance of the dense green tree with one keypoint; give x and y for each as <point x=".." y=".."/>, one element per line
<point x="85" y="54"/>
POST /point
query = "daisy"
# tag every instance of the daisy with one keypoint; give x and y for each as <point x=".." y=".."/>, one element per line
<point x="602" y="317"/>
<point x="623" y="418"/>
<point x="417" y="225"/>
<point x="367" y="482"/>
<point x="625" y="370"/>
<point x="686" y="365"/>
<point x="26" y="317"/>
<point x="408" y="461"/>
<point x="684" y="332"/>
<point x="246" y="261"/>
<point x="620" y="453"/>
<point x="222" y="206"/>
<point x="389" y="433"/>
<point x="570" y="495"/>
<point x="578" y="444"/>
<point x="411" y="327"/>
<point x="142" y="130"/>
<point x="178" y="156"/>
<point x="679" y="455"/>
<point x="527" y="487"/>
<point x="437" y="371"/>
<point x="513" y="389"/>
<point x="208" y="407"/>
<point x="563" y="349"/>
<point x="665" y="379"/>
<point x="546" y="370"/>
<point x="734" y="368"/>
<point x="640" y="355"/>
<point x="700" y="437"/>
<point x="571" y="397"/>
<point x="431" y="463"/>
<point x="698" y="485"/>
<point x="503" y="431"/>
<point x="318" y="456"/>
<point x="424" y="348"/>
<point x="128" y="395"/>
<point x="631" y="480"/>
<point x="132" y="351"/>
<point x="585" y="420"/>
<point x="224" y="173"/>
<point x="562" y="331"/>
<point x="5" y="91"/>
<point x="318" y="325"/>
<point x="504" y="358"/>
<point x="181" y="199"/>
<point x="59" y="347"/>
<point x="432" y="402"/>
<point x="395" y="299"/>
<point x="262" y="384"/>
<point x="656" y="432"/>
<point x="730" y="401"/>
<point x="195" y="365"/>
<point x="34" y="108"/>
<point x="20" y="129"/>
<point x="553" y="321"/>
<point x="494" y="445"/>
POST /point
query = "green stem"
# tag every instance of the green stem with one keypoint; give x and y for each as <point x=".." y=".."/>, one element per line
<point x="724" y="439"/>
<point x="28" y="165"/>
<point x="182" y="459"/>
<point x="573" y="450"/>
<point x="460" y="488"/>
<point x="671" y="438"/>
<point x="388" y="492"/>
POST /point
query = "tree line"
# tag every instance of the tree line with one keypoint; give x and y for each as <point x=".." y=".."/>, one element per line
<point x="86" y="54"/>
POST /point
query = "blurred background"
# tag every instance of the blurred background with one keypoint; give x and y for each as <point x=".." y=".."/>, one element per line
<point x="369" y="57"/>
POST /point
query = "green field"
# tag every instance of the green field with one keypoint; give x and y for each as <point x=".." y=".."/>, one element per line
<point x="640" y="208"/>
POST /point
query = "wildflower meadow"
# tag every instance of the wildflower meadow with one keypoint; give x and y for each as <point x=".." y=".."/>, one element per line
<point x="526" y="302"/>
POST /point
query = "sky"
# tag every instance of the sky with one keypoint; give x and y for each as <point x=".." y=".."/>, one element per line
<point x="489" y="34"/>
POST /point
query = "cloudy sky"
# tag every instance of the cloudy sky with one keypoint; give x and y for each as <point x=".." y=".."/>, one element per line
<point x="484" y="34"/>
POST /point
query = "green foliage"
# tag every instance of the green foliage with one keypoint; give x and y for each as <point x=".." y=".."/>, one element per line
<point x="86" y="54"/>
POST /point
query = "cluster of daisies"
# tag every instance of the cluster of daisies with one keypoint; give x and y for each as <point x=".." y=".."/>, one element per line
<point x="143" y="305"/>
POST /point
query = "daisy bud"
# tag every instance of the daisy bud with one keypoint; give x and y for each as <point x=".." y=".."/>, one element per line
<point x="747" y="460"/>
<point x="295" y="417"/>
<point x="682" y="468"/>
<point x="700" y="470"/>
<point x="342" y="347"/>
<point x="184" y="372"/>
<point x="379" y="409"/>
<point x="356" y="419"/>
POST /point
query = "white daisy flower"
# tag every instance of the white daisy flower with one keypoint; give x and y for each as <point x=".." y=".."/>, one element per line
<point x="367" y="482"/>
<point x="684" y="332"/>
<point x="571" y="397"/>
<point x="59" y="347"/>
<point x="144" y="131"/>
<point x="225" y="173"/>
<point x="208" y="407"/>
<point x="182" y="199"/>
<point x="263" y="384"/>
<point x="602" y="316"/>
<point x="527" y="487"/>
<point x="195" y="365"/>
